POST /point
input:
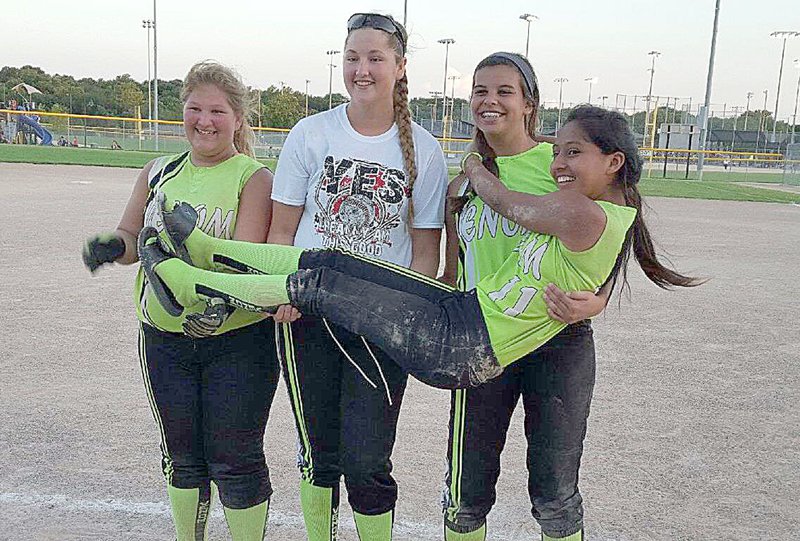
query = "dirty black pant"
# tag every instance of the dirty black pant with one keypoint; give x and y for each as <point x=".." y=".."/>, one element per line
<point x="435" y="333"/>
<point x="556" y="383"/>
<point x="211" y="399"/>
<point x="345" y="413"/>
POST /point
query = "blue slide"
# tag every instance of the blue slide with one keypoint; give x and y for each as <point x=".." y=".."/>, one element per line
<point x="41" y="133"/>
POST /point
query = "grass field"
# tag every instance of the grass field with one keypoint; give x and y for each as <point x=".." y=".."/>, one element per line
<point x="82" y="156"/>
<point x="716" y="184"/>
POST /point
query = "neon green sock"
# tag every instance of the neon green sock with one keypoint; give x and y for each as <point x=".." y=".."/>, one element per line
<point x="189" y="512"/>
<point x="190" y="285"/>
<point x="247" y="524"/>
<point x="374" y="527"/>
<point x="320" y="511"/>
<point x="577" y="536"/>
<point x="474" y="535"/>
<point x="211" y="253"/>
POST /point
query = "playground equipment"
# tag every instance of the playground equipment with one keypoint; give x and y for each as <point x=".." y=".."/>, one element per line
<point x="29" y="123"/>
<point x="32" y="124"/>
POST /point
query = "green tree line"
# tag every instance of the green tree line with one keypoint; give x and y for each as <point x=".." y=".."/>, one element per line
<point x="280" y="106"/>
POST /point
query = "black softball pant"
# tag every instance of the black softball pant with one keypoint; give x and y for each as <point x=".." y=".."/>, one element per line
<point x="211" y="399"/>
<point x="435" y="333"/>
<point x="556" y="383"/>
<point x="345" y="412"/>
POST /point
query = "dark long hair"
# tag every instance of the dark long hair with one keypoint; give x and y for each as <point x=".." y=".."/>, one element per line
<point x="610" y="132"/>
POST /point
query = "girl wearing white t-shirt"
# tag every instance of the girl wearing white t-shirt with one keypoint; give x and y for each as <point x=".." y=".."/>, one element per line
<point x="361" y="177"/>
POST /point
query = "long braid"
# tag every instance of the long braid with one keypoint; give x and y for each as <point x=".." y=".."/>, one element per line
<point x="402" y="117"/>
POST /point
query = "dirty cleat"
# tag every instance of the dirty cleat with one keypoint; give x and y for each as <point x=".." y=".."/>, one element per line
<point x="206" y="323"/>
<point x="150" y="255"/>
<point x="178" y="225"/>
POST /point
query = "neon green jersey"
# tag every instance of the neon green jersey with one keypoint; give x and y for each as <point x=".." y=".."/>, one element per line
<point x="486" y="238"/>
<point x="214" y="192"/>
<point x="511" y="298"/>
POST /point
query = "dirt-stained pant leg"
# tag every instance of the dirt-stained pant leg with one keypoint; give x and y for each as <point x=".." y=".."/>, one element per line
<point x="439" y="337"/>
<point x="555" y="383"/>
<point x="557" y="393"/>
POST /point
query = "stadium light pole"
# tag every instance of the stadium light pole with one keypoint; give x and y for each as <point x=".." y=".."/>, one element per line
<point x="452" y="101"/>
<point x="560" y="81"/>
<point x="784" y="35"/>
<point x="148" y="24"/>
<point x="528" y="17"/>
<point x="435" y="95"/>
<point x="747" y="109"/>
<point x="446" y="42"/>
<point x="796" y="97"/>
<point x="653" y="55"/>
<point x="591" y="81"/>
<point x="155" y="74"/>
<point x="330" y="76"/>
<point x="707" y="102"/>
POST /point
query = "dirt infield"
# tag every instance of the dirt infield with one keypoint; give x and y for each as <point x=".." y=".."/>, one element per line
<point x="693" y="432"/>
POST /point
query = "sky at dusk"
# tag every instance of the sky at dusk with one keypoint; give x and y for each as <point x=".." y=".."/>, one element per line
<point x="270" y="43"/>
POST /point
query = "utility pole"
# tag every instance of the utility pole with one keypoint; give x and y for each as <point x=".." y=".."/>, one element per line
<point x="307" y="81"/>
<point x="707" y="101"/>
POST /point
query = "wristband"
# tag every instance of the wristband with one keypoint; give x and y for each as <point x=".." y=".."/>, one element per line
<point x="467" y="156"/>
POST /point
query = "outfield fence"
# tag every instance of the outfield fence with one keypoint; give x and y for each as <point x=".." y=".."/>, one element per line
<point x="94" y="131"/>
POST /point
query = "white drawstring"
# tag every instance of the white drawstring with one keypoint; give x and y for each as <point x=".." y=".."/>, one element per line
<point x="380" y="371"/>
<point x="325" y="321"/>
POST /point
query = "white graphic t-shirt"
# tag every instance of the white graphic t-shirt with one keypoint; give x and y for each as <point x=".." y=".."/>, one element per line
<point x="354" y="189"/>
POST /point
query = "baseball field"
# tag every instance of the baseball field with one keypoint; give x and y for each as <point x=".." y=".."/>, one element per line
<point x="693" y="434"/>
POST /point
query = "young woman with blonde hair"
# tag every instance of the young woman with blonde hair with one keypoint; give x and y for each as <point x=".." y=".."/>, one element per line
<point x="209" y="384"/>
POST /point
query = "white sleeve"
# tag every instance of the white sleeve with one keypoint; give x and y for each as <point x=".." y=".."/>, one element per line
<point x="430" y="189"/>
<point x="290" y="183"/>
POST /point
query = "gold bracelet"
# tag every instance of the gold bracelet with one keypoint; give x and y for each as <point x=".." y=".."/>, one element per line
<point x="467" y="156"/>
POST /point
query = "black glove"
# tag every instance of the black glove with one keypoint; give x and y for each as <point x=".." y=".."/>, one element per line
<point x="101" y="249"/>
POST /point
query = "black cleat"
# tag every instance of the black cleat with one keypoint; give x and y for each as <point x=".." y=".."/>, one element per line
<point x="150" y="255"/>
<point x="178" y="225"/>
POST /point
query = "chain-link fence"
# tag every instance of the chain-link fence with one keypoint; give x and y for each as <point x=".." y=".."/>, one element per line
<point x="791" y="167"/>
<point x="90" y="131"/>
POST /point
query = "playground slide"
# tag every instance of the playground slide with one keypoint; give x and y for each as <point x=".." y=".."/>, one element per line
<point x="41" y="133"/>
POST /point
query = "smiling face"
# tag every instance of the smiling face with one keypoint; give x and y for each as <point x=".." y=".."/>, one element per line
<point x="498" y="102"/>
<point x="371" y="66"/>
<point x="210" y="123"/>
<point x="578" y="164"/>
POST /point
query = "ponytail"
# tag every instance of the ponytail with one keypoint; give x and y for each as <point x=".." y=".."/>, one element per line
<point x="610" y="132"/>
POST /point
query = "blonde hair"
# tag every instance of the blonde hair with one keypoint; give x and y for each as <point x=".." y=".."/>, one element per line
<point x="209" y="72"/>
<point x="402" y="117"/>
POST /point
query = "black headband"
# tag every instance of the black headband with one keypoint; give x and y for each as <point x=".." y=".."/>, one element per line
<point x="523" y="67"/>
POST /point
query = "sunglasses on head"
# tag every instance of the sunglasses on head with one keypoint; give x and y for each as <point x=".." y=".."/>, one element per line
<point x="379" y="22"/>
